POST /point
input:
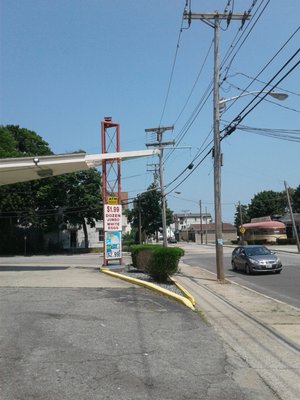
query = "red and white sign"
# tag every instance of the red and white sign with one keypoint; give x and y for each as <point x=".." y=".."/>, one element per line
<point x="112" y="217"/>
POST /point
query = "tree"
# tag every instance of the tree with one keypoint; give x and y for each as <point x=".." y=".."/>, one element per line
<point x="21" y="142"/>
<point x="267" y="203"/>
<point x="241" y="209"/>
<point x="296" y="200"/>
<point x="149" y="205"/>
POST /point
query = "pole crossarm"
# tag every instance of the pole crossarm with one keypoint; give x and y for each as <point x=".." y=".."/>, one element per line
<point x="214" y="15"/>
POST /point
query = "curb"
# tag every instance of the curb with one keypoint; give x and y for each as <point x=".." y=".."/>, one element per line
<point x="187" y="301"/>
<point x="184" y="291"/>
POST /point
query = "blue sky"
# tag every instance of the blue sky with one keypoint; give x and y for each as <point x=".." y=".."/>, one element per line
<point x="65" y="64"/>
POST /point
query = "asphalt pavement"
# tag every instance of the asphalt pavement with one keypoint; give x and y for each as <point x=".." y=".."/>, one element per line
<point x="70" y="332"/>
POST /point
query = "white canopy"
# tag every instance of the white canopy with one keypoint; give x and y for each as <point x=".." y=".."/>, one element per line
<point x="13" y="170"/>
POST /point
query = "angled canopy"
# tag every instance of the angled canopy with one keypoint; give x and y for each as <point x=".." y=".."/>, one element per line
<point x="13" y="170"/>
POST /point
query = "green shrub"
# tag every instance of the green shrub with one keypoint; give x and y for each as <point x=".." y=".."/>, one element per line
<point x="128" y="240"/>
<point x="140" y="255"/>
<point x="286" y="241"/>
<point x="259" y="242"/>
<point x="164" y="262"/>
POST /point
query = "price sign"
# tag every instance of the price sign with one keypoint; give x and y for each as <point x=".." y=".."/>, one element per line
<point x="112" y="217"/>
<point x="113" y="209"/>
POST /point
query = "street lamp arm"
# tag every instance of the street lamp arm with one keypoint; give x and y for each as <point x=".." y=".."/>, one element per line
<point x="276" y="95"/>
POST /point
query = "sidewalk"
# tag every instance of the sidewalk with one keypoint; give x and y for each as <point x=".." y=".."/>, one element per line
<point x="281" y="318"/>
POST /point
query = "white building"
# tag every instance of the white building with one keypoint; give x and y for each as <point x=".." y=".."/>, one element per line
<point x="183" y="221"/>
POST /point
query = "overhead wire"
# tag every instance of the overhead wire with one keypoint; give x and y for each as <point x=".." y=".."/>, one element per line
<point x="251" y="26"/>
<point x="173" y="66"/>
<point x="237" y="120"/>
<point x="268" y="63"/>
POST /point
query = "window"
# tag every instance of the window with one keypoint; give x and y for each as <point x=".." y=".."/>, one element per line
<point x="101" y="235"/>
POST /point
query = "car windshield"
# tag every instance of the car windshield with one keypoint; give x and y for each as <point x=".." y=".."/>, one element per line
<point x="257" y="251"/>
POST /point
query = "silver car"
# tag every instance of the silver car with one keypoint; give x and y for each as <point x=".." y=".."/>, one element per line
<point x="255" y="259"/>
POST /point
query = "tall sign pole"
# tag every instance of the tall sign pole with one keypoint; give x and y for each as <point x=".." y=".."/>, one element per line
<point x="111" y="193"/>
<point x="213" y="19"/>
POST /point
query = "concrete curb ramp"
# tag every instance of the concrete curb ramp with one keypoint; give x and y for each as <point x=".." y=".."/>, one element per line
<point x="186" y="299"/>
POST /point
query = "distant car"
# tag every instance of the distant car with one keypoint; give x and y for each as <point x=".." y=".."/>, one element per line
<point x="172" y="240"/>
<point x="255" y="258"/>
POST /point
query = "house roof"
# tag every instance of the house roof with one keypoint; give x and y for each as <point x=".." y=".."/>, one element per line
<point x="191" y="215"/>
<point x="287" y="218"/>
<point x="226" y="227"/>
<point x="265" y="224"/>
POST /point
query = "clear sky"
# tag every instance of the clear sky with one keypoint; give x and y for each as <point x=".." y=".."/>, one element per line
<point x="65" y="64"/>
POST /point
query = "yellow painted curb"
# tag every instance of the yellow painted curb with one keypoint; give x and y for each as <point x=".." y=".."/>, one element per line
<point x="181" y="299"/>
<point x="184" y="291"/>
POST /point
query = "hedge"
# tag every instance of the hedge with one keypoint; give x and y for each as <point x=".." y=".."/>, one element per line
<point x="159" y="262"/>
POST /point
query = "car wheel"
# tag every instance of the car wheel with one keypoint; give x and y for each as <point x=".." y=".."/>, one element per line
<point x="277" y="272"/>
<point x="234" y="268"/>
<point x="247" y="269"/>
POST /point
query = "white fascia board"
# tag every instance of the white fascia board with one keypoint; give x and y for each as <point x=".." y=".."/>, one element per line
<point x="23" y="169"/>
<point x="96" y="159"/>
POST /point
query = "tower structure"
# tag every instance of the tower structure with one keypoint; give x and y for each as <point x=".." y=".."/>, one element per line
<point x="111" y="192"/>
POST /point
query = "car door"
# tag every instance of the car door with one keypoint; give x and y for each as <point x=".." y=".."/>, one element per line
<point x="242" y="260"/>
<point x="236" y="258"/>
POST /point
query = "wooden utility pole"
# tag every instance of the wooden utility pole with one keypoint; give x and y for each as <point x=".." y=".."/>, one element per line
<point x="292" y="216"/>
<point x="241" y="222"/>
<point x="201" y="225"/>
<point x="213" y="20"/>
<point x="160" y="144"/>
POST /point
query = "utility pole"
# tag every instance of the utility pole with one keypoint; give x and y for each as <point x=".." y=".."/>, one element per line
<point x="292" y="216"/>
<point x="241" y="222"/>
<point x="201" y="226"/>
<point x="207" y="18"/>
<point x="155" y="172"/>
<point x="160" y="144"/>
<point x="140" y="220"/>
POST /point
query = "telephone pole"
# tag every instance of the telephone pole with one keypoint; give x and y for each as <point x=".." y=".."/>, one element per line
<point x="213" y="20"/>
<point x="201" y="226"/>
<point x="160" y="144"/>
<point x="292" y="216"/>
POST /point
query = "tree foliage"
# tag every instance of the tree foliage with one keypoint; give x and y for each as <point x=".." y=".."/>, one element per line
<point x="241" y="216"/>
<point x="296" y="200"/>
<point x="149" y="204"/>
<point x="267" y="203"/>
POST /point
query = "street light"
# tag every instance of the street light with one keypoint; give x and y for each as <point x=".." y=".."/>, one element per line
<point x="217" y="161"/>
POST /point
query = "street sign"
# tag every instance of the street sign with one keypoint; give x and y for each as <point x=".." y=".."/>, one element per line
<point x="112" y="200"/>
<point x="242" y="230"/>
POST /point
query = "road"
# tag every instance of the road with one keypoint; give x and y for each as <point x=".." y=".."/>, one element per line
<point x="283" y="287"/>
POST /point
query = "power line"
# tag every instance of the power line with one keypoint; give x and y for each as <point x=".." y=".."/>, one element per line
<point x="237" y="120"/>
<point x="173" y="66"/>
